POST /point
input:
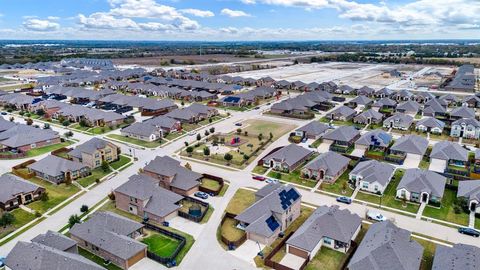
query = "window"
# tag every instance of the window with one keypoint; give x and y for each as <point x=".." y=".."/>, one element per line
<point x="376" y="188"/>
<point x="365" y="185"/>
<point x="327" y="240"/>
<point x="97" y="163"/>
<point x="97" y="155"/>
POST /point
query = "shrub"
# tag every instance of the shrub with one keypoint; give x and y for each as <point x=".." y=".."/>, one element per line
<point x="68" y="134"/>
<point x="44" y="197"/>
<point x="111" y="196"/>
<point x="212" y="130"/>
<point x="84" y="208"/>
<point x="38" y="214"/>
<point x="66" y="123"/>
<point x="199" y="137"/>
<point x="72" y="220"/>
<point x="7" y="219"/>
<point x="105" y="166"/>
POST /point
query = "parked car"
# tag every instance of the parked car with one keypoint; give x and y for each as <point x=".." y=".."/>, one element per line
<point x="192" y="133"/>
<point x="2" y="261"/>
<point x="469" y="231"/>
<point x="238" y="124"/>
<point x="344" y="199"/>
<point x="376" y="216"/>
<point x="271" y="181"/>
<point x="256" y="108"/>
<point x="201" y="195"/>
<point x="259" y="178"/>
<point x="4" y="113"/>
<point x="166" y="224"/>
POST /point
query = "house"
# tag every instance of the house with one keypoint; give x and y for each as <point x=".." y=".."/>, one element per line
<point x="464" y="80"/>
<point x="423" y="97"/>
<point x="476" y="165"/>
<point x="313" y="130"/>
<point x="434" y="108"/>
<point x="449" y="99"/>
<point x="462" y="112"/>
<point x="398" y="121"/>
<point x="111" y="237"/>
<point x="142" y="196"/>
<point x="184" y="116"/>
<point x="403" y="95"/>
<point x="345" y="90"/>
<point x="372" y="176"/>
<point x="16" y="191"/>
<point x="56" y="240"/>
<point x="22" y="138"/>
<point x="384" y="92"/>
<point x="460" y="256"/>
<point x="384" y="104"/>
<point x="172" y="176"/>
<point x="430" y="124"/>
<point x="342" y="138"/>
<point x="361" y="101"/>
<point x="326" y="167"/>
<point x="366" y="91"/>
<point x="386" y="245"/>
<point x="165" y="124"/>
<point x="142" y="131"/>
<point x="368" y="117"/>
<point x="468" y="128"/>
<point x="95" y="151"/>
<point x="326" y="227"/>
<point x="203" y="111"/>
<point x="375" y="140"/>
<point x="408" y="107"/>
<point x="421" y="186"/>
<point x="447" y="155"/>
<point x="342" y="113"/>
<point x="410" y="145"/>
<point x="276" y="206"/>
<point x="287" y="159"/>
<point x="58" y="170"/>
<point x="470" y="190"/>
<point x="471" y="101"/>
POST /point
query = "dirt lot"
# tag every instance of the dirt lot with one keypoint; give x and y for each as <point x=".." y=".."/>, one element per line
<point x="181" y="59"/>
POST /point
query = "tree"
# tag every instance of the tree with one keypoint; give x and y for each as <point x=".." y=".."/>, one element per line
<point x="72" y="220"/>
<point x="68" y="181"/>
<point x="212" y="130"/>
<point x="188" y="166"/>
<point x="66" y="123"/>
<point x="29" y="121"/>
<point x="228" y="157"/>
<point x="7" y="219"/>
<point x="199" y="137"/>
<point x="270" y="135"/>
<point x="245" y="133"/>
<point x="245" y="157"/>
<point x="44" y="197"/>
<point x="68" y="134"/>
<point x="189" y="150"/>
<point x="40" y="112"/>
<point x="105" y="166"/>
<point x="84" y="208"/>
<point x="239" y="130"/>
<point x="206" y="151"/>
<point x="210" y="120"/>
<point x="207" y="133"/>
<point x="182" y="103"/>
<point x="83" y="123"/>
<point x="186" y="144"/>
<point x="260" y="137"/>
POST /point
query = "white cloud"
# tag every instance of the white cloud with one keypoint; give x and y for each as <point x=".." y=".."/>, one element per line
<point x="234" y="13"/>
<point x="198" y="12"/>
<point x="33" y="24"/>
<point x="106" y="21"/>
<point x="249" y="2"/>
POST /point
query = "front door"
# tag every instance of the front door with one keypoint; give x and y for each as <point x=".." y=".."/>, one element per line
<point x="473" y="206"/>
<point x="424" y="197"/>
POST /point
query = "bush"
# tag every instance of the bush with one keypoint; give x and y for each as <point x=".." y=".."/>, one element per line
<point x="44" y="197"/>
<point x="84" y="208"/>
<point x="111" y="196"/>
<point x="105" y="166"/>
<point x="38" y="214"/>
<point x="66" y="123"/>
<point x="72" y="220"/>
<point x="68" y="134"/>
<point x="7" y="219"/>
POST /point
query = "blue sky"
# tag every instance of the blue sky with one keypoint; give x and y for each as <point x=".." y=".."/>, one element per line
<point x="239" y="19"/>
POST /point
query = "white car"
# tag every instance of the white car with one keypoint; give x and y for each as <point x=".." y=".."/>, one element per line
<point x="376" y="216"/>
<point x="271" y="181"/>
<point x="191" y="133"/>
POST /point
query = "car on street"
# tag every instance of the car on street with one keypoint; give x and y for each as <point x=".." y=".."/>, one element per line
<point x="259" y="178"/>
<point x="201" y="195"/>
<point x="238" y="124"/>
<point x="469" y="231"/>
<point x="271" y="181"/>
<point x="4" y="113"/>
<point x="2" y="261"/>
<point x="192" y="133"/>
<point x="256" y="108"/>
<point x="376" y="216"/>
<point x="344" y="199"/>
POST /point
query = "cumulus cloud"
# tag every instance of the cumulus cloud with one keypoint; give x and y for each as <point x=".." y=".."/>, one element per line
<point x="234" y="13"/>
<point x="249" y="2"/>
<point x="106" y="21"/>
<point x="34" y="24"/>
<point x="198" y="12"/>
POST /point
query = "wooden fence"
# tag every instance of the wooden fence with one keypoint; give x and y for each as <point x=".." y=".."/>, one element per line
<point x="231" y="244"/>
<point x="278" y="266"/>
<point x="19" y="169"/>
<point x="192" y="217"/>
<point x="170" y="260"/>
<point x="214" y="178"/>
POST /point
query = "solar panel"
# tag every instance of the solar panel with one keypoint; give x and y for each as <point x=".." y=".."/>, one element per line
<point x="272" y="223"/>
<point x="288" y="197"/>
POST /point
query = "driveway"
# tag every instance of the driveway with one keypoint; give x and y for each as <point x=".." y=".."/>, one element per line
<point x="247" y="251"/>
<point x="438" y="165"/>
<point x="292" y="261"/>
<point x="412" y="161"/>
<point x="358" y="152"/>
<point x="147" y="264"/>
<point x="324" y="147"/>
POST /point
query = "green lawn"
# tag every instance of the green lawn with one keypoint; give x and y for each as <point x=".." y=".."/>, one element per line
<point x="210" y="184"/>
<point x="256" y="127"/>
<point x="78" y="127"/>
<point x="122" y="160"/>
<point x="259" y="170"/>
<point x="47" y="149"/>
<point x="424" y="164"/>
<point x="428" y="253"/>
<point x="146" y="144"/>
<point x="207" y="216"/>
<point x="160" y="244"/>
<point x="340" y="186"/>
<point x="240" y="201"/>
<point x="224" y="189"/>
<point x="56" y="194"/>
<point x="446" y="210"/>
<point x="326" y="259"/>
<point x="174" y="135"/>
<point x="22" y="217"/>
<point x="97" y="173"/>
<point x="94" y="258"/>
<point x="102" y="130"/>
<point x="293" y="177"/>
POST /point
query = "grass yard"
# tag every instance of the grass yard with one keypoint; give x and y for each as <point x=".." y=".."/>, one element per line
<point x="146" y="144"/>
<point x="428" y="253"/>
<point x="102" y="130"/>
<point x="214" y="118"/>
<point x="259" y="170"/>
<point x="77" y="126"/>
<point x="230" y="231"/>
<point x="293" y="177"/>
<point x="160" y="244"/>
<point x="97" y="173"/>
<point x="224" y="189"/>
<point x="207" y="216"/>
<point x="122" y="160"/>
<point x="94" y="258"/>
<point x="47" y="149"/>
<point x="256" y="127"/>
<point x="326" y="259"/>
<point x="240" y="201"/>
<point x="210" y="184"/>
<point x="340" y="186"/>
<point x="22" y="217"/>
<point x="174" y="135"/>
<point x="446" y="210"/>
<point x="56" y="194"/>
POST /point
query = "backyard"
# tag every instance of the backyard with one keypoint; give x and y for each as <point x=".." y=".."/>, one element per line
<point x="160" y="244"/>
<point x="47" y="149"/>
<point x="240" y="201"/>
<point x="210" y="184"/>
<point x="152" y="144"/>
<point x="56" y="194"/>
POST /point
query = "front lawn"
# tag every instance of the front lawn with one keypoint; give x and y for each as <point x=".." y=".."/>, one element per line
<point x="340" y="187"/>
<point x="160" y="244"/>
<point x="56" y="194"/>
<point x="122" y="160"/>
<point x="259" y="170"/>
<point x="446" y="211"/>
<point x="97" y="173"/>
<point x="47" y="149"/>
<point x="146" y="144"/>
<point x="172" y="136"/>
<point x="22" y="217"/>
<point x="240" y="201"/>
<point x="293" y="177"/>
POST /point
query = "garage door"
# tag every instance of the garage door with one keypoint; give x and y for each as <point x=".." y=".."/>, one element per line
<point x="412" y="161"/>
<point x="438" y="165"/>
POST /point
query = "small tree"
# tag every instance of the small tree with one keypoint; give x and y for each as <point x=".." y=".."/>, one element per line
<point x="44" y="197"/>
<point x="66" y="123"/>
<point x="245" y="133"/>
<point x="68" y="134"/>
<point x="239" y="131"/>
<point x="270" y="135"/>
<point x="199" y="137"/>
<point x="212" y="130"/>
<point x="206" y="151"/>
<point x="29" y="121"/>
<point x="188" y="166"/>
<point x="83" y="123"/>
<point x="245" y="157"/>
<point x="228" y="157"/>
<point x="40" y="112"/>
<point x="260" y="137"/>
<point x="7" y="219"/>
<point x="189" y="150"/>
<point x="404" y="201"/>
<point x="72" y="220"/>
<point x="84" y="208"/>
<point x="68" y="181"/>
<point x="210" y="120"/>
<point x="111" y="196"/>
<point x="207" y="133"/>
<point x="186" y="144"/>
<point x="105" y="166"/>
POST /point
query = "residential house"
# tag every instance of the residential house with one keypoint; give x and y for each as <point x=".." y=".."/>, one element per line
<point x="423" y="97"/>
<point x="287" y="159"/>
<point x="16" y="191"/>
<point x="403" y="95"/>
<point x="462" y="112"/>
<point x="172" y="176"/>
<point x="375" y="140"/>
<point x="384" y="92"/>
<point x="326" y="167"/>
<point x="421" y="186"/>
<point x="342" y="113"/>
<point x="459" y="256"/>
<point x="58" y="170"/>
<point x="56" y="240"/>
<point x="449" y="99"/>
<point x="95" y="151"/>
<point x="434" y="108"/>
<point x="471" y="101"/>
<point x="275" y="208"/>
<point x="49" y="107"/>
<point x="386" y="245"/>
<point x="142" y="131"/>
<point x="408" y="107"/>
<point x="328" y="227"/>
<point x="203" y="111"/>
<point x="313" y="130"/>
<point x="111" y="237"/>
<point x="468" y="128"/>
<point x="165" y="124"/>
<point x="361" y="102"/>
<point x="476" y="166"/>
<point x="384" y="104"/>
<point x="368" y="117"/>
<point x="470" y="190"/>
<point x="398" y="121"/>
<point x="430" y="124"/>
<point x="372" y="176"/>
<point x="464" y="80"/>
<point x="142" y="196"/>
<point x="22" y="138"/>
<point x="410" y="146"/>
<point x="366" y="91"/>
<point x="447" y="155"/>
<point x="342" y="138"/>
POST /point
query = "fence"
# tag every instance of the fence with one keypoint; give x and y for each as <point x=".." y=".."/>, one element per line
<point x="61" y="150"/>
<point x="214" y="178"/>
<point x="192" y="217"/>
<point x="20" y="169"/>
<point x="10" y="155"/>
<point x="170" y="260"/>
<point x="231" y="244"/>
<point x="268" y="260"/>
<point x="348" y="257"/>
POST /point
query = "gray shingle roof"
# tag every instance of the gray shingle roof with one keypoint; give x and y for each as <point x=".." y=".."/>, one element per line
<point x="463" y="112"/>
<point x="314" y="128"/>
<point x="386" y="245"/>
<point x="55" y="240"/>
<point x="361" y="100"/>
<point x="418" y="181"/>
<point x="373" y="171"/>
<point x="342" y="133"/>
<point x="460" y="256"/>
<point x="89" y="147"/>
<point x="140" y="129"/>
<point x="467" y="121"/>
<point x="325" y="221"/>
<point x="54" y="166"/>
<point x="469" y="189"/>
<point x="167" y="166"/>
<point x="400" y="120"/>
<point x="375" y="138"/>
<point x="385" y="102"/>
<point x="290" y="154"/>
<point x="109" y="231"/>
<point x="412" y="144"/>
<point x="409" y="106"/>
<point x="342" y="111"/>
<point x="446" y="150"/>
<point x="20" y="135"/>
<point x="12" y="185"/>
<point x="371" y="113"/>
<point x="330" y="162"/>
<point x="430" y="122"/>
